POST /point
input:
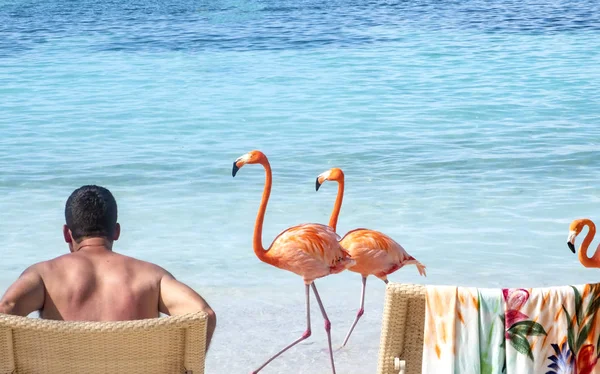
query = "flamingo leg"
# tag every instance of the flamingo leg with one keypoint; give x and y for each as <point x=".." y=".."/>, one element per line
<point x="361" y="311"/>
<point x="327" y="325"/>
<point x="304" y="336"/>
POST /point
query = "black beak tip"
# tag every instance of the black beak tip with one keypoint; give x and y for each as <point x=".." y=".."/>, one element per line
<point x="571" y="247"/>
<point x="317" y="184"/>
<point x="235" y="169"/>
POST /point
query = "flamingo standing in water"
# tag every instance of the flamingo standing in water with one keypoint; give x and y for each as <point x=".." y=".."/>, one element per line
<point x="374" y="252"/>
<point x="310" y="250"/>
<point x="574" y="230"/>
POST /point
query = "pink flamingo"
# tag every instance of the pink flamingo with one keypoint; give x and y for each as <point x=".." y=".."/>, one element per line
<point x="310" y="250"/>
<point x="575" y="229"/>
<point x="374" y="252"/>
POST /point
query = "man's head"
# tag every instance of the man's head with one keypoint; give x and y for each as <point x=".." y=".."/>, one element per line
<point x="91" y="212"/>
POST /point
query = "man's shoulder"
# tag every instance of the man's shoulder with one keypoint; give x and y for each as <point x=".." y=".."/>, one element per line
<point x="49" y="268"/>
<point x="145" y="265"/>
<point x="60" y="263"/>
<point x="43" y="265"/>
<point x="73" y="260"/>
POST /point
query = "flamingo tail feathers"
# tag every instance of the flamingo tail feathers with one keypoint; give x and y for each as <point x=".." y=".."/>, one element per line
<point x="420" y="267"/>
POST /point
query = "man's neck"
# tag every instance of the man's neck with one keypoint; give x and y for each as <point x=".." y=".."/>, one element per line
<point x="93" y="245"/>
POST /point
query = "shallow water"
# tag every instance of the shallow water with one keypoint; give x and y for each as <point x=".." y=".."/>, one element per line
<point x="468" y="131"/>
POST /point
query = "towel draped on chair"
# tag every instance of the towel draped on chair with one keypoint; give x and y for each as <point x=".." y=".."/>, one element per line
<point x="552" y="330"/>
<point x="464" y="331"/>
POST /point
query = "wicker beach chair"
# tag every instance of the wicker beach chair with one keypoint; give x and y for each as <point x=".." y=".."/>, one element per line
<point x="401" y="347"/>
<point x="161" y="345"/>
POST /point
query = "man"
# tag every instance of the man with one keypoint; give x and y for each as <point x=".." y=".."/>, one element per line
<point x="93" y="283"/>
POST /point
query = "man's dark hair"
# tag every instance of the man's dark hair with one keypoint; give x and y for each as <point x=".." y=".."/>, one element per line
<point x="91" y="211"/>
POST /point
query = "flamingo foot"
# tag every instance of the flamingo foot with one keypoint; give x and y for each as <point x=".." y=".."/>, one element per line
<point x="304" y="336"/>
<point x="360" y="312"/>
<point x="327" y="326"/>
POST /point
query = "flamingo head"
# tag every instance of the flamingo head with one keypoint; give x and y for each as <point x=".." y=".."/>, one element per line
<point x="575" y="229"/>
<point x="252" y="157"/>
<point x="335" y="174"/>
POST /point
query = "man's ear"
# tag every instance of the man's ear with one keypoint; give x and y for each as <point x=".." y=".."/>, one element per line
<point x="117" y="232"/>
<point x="68" y="237"/>
<point x="67" y="234"/>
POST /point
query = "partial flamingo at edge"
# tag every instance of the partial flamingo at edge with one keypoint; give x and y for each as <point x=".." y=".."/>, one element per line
<point x="575" y="229"/>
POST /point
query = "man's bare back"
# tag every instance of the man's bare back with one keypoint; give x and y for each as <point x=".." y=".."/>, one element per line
<point x="93" y="283"/>
<point x="100" y="286"/>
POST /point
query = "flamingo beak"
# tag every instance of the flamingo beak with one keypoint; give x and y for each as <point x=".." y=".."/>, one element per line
<point x="235" y="169"/>
<point x="320" y="180"/>
<point x="571" y="241"/>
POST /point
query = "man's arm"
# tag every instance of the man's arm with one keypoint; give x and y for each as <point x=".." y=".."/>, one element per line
<point x="176" y="298"/>
<point x="24" y="296"/>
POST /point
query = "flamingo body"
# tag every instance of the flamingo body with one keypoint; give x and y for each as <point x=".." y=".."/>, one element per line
<point x="310" y="250"/>
<point x="376" y="253"/>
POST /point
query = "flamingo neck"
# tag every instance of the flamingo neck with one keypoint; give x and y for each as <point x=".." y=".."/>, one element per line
<point x="337" y="206"/>
<point x="259" y="250"/>
<point x="594" y="261"/>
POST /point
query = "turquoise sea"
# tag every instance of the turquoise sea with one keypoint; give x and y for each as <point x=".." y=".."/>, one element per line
<point x="468" y="130"/>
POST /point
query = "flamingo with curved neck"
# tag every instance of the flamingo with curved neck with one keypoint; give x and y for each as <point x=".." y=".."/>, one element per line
<point x="310" y="250"/>
<point x="335" y="174"/>
<point x="259" y="250"/>
<point x="374" y="252"/>
<point x="575" y="229"/>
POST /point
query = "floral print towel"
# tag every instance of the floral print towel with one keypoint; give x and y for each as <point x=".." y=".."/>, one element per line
<point x="512" y="331"/>
<point x="553" y="330"/>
